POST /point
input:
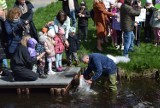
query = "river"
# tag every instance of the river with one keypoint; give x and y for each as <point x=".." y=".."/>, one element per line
<point x="138" y="93"/>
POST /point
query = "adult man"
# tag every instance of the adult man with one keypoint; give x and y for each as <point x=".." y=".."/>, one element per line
<point x="70" y="7"/>
<point x="127" y="16"/>
<point x="101" y="65"/>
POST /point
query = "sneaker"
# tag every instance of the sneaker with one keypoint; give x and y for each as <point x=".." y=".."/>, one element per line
<point x="122" y="47"/>
<point x="85" y="40"/>
<point x="43" y="76"/>
<point x="51" y="73"/>
<point x="76" y="64"/>
<point x="117" y="47"/>
<point x="62" y="68"/>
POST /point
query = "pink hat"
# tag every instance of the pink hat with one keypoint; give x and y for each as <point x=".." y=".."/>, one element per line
<point x="61" y="31"/>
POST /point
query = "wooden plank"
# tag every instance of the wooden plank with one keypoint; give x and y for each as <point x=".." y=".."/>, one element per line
<point x="60" y="79"/>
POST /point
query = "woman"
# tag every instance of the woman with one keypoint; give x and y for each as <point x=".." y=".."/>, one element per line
<point x="22" y="63"/>
<point x="101" y="16"/>
<point x="14" y="29"/>
<point x="27" y="17"/>
<point x="61" y="20"/>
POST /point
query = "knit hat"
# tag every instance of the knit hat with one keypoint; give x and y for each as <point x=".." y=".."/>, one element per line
<point x="157" y="6"/>
<point x="119" y="5"/>
<point x="83" y="3"/>
<point x="42" y="39"/>
<point x="61" y="31"/>
<point x="51" y="33"/>
<point x="148" y="1"/>
<point x="112" y="2"/>
<point x="72" y="29"/>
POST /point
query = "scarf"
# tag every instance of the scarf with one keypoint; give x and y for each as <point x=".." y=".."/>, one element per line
<point x="23" y="8"/>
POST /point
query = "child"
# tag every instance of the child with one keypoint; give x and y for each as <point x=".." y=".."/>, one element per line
<point x="59" y="48"/>
<point x="31" y="44"/>
<point x="155" y="23"/>
<point x="40" y="49"/>
<point x="49" y="47"/>
<point x="71" y="52"/>
<point x="149" y="11"/>
<point x="113" y="9"/>
<point x="83" y="15"/>
<point x="117" y="36"/>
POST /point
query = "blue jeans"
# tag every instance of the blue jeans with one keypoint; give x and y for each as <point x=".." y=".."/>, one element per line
<point x="5" y="63"/>
<point x="58" y="60"/>
<point x="73" y="18"/>
<point x="128" y="42"/>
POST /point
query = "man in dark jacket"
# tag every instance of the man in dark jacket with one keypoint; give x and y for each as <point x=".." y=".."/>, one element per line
<point x="127" y="16"/>
<point x="101" y="65"/>
<point x="70" y="7"/>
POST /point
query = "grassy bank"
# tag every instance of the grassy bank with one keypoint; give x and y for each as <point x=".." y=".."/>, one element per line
<point x="147" y="56"/>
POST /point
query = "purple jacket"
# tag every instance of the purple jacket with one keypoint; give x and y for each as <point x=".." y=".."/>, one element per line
<point x="31" y="47"/>
<point x="116" y="20"/>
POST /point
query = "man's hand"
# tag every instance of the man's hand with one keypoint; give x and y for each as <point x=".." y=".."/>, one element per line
<point x="89" y="81"/>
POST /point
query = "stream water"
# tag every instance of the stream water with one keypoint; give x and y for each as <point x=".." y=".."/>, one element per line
<point x="139" y="93"/>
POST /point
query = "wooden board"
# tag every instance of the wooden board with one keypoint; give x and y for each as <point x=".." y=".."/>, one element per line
<point x="60" y="79"/>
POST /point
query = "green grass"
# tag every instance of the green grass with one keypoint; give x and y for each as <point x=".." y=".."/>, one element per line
<point x="147" y="56"/>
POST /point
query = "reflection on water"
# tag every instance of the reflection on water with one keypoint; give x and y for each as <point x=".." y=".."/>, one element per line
<point x="142" y="93"/>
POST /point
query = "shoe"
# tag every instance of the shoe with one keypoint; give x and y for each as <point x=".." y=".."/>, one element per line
<point x="117" y="47"/>
<point x="155" y="44"/>
<point x="62" y="68"/>
<point x="43" y="76"/>
<point x="122" y="47"/>
<point x="76" y="64"/>
<point x="51" y="73"/>
<point x="85" y="40"/>
<point x="59" y="69"/>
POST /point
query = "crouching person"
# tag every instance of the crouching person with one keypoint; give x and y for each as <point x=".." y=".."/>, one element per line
<point x="22" y="62"/>
<point x="101" y="65"/>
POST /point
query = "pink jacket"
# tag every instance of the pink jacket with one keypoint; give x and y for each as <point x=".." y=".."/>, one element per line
<point x="59" y="46"/>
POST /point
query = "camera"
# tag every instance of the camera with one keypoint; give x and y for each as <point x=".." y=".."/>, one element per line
<point x="135" y="2"/>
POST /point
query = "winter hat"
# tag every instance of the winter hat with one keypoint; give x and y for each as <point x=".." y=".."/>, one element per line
<point x="119" y="5"/>
<point x="51" y="33"/>
<point x="157" y="6"/>
<point x="112" y="2"/>
<point x="148" y="1"/>
<point x="42" y="39"/>
<point x="61" y="31"/>
<point x="32" y="43"/>
<point x="72" y="29"/>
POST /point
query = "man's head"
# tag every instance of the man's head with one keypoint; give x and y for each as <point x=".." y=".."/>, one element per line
<point x="85" y="58"/>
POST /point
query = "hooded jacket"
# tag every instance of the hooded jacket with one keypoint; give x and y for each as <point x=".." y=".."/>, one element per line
<point x="31" y="47"/>
<point x="127" y="16"/>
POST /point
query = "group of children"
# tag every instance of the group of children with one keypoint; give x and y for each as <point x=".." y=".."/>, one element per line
<point x="53" y="43"/>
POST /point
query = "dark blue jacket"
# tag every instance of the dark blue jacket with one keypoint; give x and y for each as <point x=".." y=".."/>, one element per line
<point x="14" y="34"/>
<point x="29" y="16"/>
<point x="100" y="63"/>
<point x="83" y="21"/>
<point x="73" y="44"/>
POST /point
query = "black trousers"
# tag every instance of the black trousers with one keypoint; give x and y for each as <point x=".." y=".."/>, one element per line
<point x="119" y="37"/>
<point x="24" y="74"/>
<point x="82" y="30"/>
